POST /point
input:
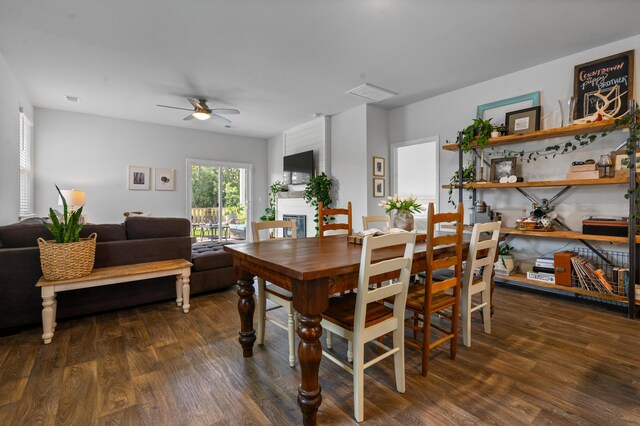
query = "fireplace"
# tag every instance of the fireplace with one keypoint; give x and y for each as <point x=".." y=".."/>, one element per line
<point x="301" y="225"/>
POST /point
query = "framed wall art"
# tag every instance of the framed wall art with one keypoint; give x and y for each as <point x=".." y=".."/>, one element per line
<point x="523" y="121"/>
<point x="378" y="187"/>
<point x="139" y="178"/>
<point x="497" y="110"/>
<point x="613" y="73"/>
<point x="378" y="166"/>
<point x="502" y="167"/>
<point x="165" y="179"/>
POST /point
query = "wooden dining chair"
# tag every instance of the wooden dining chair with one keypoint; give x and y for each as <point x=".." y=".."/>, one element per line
<point x="267" y="291"/>
<point x="428" y="298"/>
<point x="361" y="317"/>
<point x="324" y="227"/>
<point x="368" y="220"/>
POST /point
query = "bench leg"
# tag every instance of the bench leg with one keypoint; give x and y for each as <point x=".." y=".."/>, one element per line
<point x="186" y="288"/>
<point x="48" y="313"/>
<point x="179" y="290"/>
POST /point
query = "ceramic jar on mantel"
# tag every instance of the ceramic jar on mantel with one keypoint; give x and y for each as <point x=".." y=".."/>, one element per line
<point x="403" y="220"/>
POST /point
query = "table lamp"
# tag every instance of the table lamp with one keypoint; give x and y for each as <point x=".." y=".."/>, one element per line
<point x="74" y="198"/>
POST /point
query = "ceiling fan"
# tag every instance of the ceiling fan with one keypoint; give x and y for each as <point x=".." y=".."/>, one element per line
<point x="202" y="112"/>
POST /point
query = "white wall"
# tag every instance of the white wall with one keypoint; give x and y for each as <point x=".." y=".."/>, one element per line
<point x="274" y="161"/>
<point x="446" y="114"/>
<point x="349" y="168"/>
<point x="92" y="153"/>
<point x="377" y="146"/>
<point x="12" y="98"/>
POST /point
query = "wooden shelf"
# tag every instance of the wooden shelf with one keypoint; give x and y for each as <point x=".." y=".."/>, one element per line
<point x="619" y="180"/>
<point x="522" y="279"/>
<point x="578" y="129"/>
<point x="568" y="235"/>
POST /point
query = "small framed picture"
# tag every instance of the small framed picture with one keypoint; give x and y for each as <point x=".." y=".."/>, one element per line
<point x="523" y="121"/>
<point x="502" y="167"/>
<point x="378" y="166"/>
<point x="620" y="160"/>
<point x="378" y="187"/>
<point x="139" y="178"/>
<point x="165" y="179"/>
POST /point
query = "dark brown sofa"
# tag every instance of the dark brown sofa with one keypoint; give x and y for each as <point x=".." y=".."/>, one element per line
<point x="138" y="239"/>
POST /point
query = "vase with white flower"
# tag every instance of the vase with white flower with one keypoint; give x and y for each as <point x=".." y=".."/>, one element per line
<point x="403" y="208"/>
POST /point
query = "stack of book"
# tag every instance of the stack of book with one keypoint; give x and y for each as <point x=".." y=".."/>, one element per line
<point x="543" y="270"/>
<point x="621" y="281"/>
<point x="583" y="171"/>
<point x="590" y="278"/>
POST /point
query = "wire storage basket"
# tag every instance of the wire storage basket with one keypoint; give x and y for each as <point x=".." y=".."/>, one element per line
<point x="611" y="275"/>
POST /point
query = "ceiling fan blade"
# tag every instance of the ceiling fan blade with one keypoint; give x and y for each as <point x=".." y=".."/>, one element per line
<point x="167" y="106"/>
<point x="196" y="103"/>
<point x="220" y="119"/>
<point x="225" y="111"/>
<point x="188" y="117"/>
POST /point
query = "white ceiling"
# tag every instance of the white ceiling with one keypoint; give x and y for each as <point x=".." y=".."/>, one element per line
<point x="280" y="61"/>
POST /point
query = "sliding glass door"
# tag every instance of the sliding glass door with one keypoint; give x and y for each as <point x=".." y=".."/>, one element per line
<point x="218" y="199"/>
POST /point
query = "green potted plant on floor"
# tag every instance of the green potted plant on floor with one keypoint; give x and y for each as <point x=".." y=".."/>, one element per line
<point x="67" y="255"/>
<point x="318" y="190"/>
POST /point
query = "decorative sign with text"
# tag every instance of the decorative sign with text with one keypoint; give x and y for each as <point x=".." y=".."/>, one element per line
<point x="611" y="74"/>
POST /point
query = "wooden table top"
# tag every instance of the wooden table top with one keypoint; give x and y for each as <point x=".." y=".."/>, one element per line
<point x="312" y="258"/>
<point x="122" y="271"/>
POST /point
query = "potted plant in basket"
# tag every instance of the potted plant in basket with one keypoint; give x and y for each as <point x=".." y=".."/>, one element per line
<point x="404" y="209"/>
<point x="505" y="257"/>
<point x="67" y="255"/>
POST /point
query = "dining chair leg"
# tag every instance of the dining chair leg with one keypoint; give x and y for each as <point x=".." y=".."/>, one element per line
<point x="262" y="309"/>
<point x="455" y="313"/>
<point x="329" y="340"/>
<point x="292" y="337"/>
<point x="415" y="325"/>
<point x="426" y="337"/>
<point x="349" y="351"/>
<point x="358" y="383"/>
<point x="398" y="358"/>
<point x="466" y="317"/>
<point x="486" y="310"/>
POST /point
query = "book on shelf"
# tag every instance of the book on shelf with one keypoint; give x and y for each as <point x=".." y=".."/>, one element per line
<point x="544" y="269"/>
<point x="583" y="168"/>
<point x="541" y="276"/>
<point x="595" y="174"/>
<point x="501" y="271"/>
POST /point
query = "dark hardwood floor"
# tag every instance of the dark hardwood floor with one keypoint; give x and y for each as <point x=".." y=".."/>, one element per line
<point x="548" y="361"/>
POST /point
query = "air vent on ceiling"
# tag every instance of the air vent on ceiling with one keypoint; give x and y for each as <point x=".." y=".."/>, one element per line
<point x="371" y="92"/>
<point x="74" y="99"/>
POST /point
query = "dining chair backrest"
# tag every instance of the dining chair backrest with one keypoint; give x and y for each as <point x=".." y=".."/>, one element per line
<point x="433" y="240"/>
<point x="324" y="227"/>
<point x="273" y="225"/>
<point x="368" y="220"/>
<point x="393" y="288"/>
<point x="482" y="253"/>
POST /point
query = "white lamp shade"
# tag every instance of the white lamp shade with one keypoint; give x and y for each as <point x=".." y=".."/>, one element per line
<point x="74" y="198"/>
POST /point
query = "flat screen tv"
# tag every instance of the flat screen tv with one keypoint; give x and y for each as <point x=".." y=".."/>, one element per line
<point x="298" y="168"/>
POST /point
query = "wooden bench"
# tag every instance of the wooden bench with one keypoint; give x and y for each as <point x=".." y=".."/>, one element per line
<point x="181" y="268"/>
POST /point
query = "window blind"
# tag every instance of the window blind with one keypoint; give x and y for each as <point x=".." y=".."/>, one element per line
<point x="26" y="166"/>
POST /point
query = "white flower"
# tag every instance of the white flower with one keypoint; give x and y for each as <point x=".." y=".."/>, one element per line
<point x="413" y="198"/>
<point x="389" y="197"/>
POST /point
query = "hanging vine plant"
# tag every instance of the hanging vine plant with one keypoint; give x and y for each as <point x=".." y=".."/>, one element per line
<point x="468" y="176"/>
<point x="477" y="133"/>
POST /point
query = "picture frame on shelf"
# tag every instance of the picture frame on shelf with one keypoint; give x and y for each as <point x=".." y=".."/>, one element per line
<point x="139" y="178"/>
<point x="378" y="166"/>
<point x="378" y="187"/>
<point x="497" y="110"/>
<point x="523" y="121"/>
<point x="502" y="167"/>
<point x="620" y="160"/>
<point x="165" y="179"/>
<point x="611" y="73"/>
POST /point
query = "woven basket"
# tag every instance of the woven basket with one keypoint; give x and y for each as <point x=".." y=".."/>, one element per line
<point x="67" y="260"/>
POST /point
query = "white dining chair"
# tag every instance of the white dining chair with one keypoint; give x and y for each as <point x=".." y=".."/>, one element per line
<point x="362" y="317"/>
<point x="379" y="220"/>
<point x="267" y="291"/>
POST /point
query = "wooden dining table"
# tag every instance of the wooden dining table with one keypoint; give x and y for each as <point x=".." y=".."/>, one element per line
<point x="312" y="269"/>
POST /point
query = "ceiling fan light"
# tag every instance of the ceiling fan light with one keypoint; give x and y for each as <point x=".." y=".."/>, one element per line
<point x="201" y="115"/>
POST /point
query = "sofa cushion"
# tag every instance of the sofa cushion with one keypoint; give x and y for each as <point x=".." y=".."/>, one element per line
<point x="23" y="235"/>
<point x="106" y="232"/>
<point x="210" y="255"/>
<point x="141" y="227"/>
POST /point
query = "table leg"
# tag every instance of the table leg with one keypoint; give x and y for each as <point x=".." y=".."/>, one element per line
<point x="310" y="299"/>
<point x="186" y="288"/>
<point x="48" y="313"/>
<point x="179" y="290"/>
<point x="246" y="308"/>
